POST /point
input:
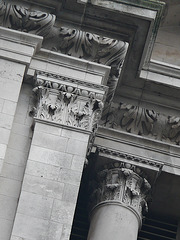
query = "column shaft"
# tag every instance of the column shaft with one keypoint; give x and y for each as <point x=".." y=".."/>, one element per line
<point x="118" y="200"/>
<point x="113" y="221"/>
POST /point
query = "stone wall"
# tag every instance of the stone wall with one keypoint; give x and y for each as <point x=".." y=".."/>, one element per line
<point x="16" y="155"/>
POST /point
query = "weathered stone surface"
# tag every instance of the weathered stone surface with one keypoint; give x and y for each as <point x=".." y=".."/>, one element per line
<point x="144" y="122"/>
<point x="118" y="200"/>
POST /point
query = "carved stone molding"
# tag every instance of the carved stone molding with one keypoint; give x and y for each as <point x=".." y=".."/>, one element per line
<point x="123" y="183"/>
<point x="174" y="132"/>
<point x="73" y="42"/>
<point x="65" y="103"/>
<point x="144" y="122"/>
<point x="92" y="47"/>
<point x="129" y="157"/>
<point x="22" y="19"/>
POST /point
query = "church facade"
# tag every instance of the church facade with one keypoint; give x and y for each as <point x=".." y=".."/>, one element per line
<point x="89" y="120"/>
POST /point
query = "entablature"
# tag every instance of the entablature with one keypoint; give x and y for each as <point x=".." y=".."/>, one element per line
<point x="138" y="149"/>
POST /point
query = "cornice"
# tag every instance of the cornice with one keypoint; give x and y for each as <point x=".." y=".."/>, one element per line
<point x="157" y="69"/>
<point x="18" y="46"/>
<point x="138" y="146"/>
<point x="138" y="141"/>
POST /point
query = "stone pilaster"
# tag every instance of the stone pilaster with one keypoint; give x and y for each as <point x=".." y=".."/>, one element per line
<point x="16" y="52"/>
<point x="66" y="113"/>
<point x="118" y="202"/>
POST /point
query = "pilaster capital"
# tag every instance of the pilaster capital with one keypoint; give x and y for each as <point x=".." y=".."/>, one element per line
<point x="124" y="184"/>
<point x="68" y="101"/>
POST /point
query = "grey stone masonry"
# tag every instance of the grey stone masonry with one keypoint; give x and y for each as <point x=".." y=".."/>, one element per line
<point x="16" y="52"/>
<point x="67" y="112"/>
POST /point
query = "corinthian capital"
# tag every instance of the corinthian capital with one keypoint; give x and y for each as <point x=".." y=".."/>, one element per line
<point x="68" y="101"/>
<point x="124" y="184"/>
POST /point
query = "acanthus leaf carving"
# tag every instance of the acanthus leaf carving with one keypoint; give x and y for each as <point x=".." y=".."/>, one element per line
<point x="64" y="104"/>
<point x="142" y="121"/>
<point x="73" y="42"/>
<point x="138" y="120"/>
<point x="174" y="132"/>
<point x="21" y="18"/>
<point x="123" y="183"/>
<point x="92" y="47"/>
<point x="133" y="119"/>
<point x="2" y="11"/>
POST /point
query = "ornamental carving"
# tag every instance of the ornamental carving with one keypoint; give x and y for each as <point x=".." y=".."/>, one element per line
<point x="174" y="132"/>
<point x="62" y="103"/>
<point x="133" y="119"/>
<point x="123" y="183"/>
<point x="92" y="47"/>
<point x="144" y="122"/>
<point x="20" y="18"/>
<point x="138" y="120"/>
<point x="127" y="156"/>
<point x="73" y="42"/>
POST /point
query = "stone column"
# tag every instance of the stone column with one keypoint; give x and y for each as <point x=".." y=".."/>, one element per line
<point x="66" y="114"/>
<point x="118" y="201"/>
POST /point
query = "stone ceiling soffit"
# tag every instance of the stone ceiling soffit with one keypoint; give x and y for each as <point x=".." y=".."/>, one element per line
<point x="135" y="23"/>
<point x="147" y="10"/>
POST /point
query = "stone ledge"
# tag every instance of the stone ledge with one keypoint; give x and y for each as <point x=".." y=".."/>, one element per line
<point x="18" y="46"/>
<point x="53" y="62"/>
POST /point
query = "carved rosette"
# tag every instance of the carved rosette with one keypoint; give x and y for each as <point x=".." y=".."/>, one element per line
<point x="65" y="103"/>
<point x="122" y="183"/>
